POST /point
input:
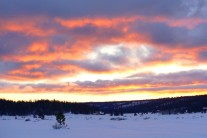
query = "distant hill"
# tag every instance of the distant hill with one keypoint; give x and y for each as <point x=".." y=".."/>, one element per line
<point x="187" y="104"/>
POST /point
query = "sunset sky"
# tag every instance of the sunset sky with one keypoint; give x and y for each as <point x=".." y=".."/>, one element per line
<point x="102" y="50"/>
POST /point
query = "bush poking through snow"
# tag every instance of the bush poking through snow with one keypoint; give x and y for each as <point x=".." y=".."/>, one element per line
<point x="146" y="118"/>
<point x="60" y="118"/>
<point x="41" y="115"/>
<point x="27" y="120"/>
<point x="118" y="119"/>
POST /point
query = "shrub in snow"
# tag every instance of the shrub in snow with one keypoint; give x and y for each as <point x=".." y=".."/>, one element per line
<point x="34" y="116"/>
<point x="146" y="118"/>
<point x="118" y="119"/>
<point x="60" y="118"/>
<point x="41" y="115"/>
<point x="27" y="119"/>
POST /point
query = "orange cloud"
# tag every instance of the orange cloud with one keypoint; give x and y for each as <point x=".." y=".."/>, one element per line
<point x="99" y="22"/>
<point x="38" y="47"/>
<point x="26" y="26"/>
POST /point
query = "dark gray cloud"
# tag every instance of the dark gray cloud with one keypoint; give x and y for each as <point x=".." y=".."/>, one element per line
<point x="4" y="84"/>
<point x="5" y="67"/>
<point x="12" y="43"/>
<point x="147" y="54"/>
<point x="186" y="76"/>
<point x="46" y="86"/>
<point x="179" y="80"/>
<point x="166" y="35"/>
<point x="202" y="55"/>
<point x="116" y="82"/>
<point x="80" y="8"/>
<point x="99" y="34"/>
<point x="59" y="39"/>
<point x="119" y="57"/>
<point x="181" y="77"/>
<point x="188" y="87"/>
<point x="12" y="69"/>
<point x="90" y="65"/>
<point x="50" y="70"/>
<point x="141" y="75"/>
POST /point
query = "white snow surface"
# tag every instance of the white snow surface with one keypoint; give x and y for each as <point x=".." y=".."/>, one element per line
<point x="101" y="126"/>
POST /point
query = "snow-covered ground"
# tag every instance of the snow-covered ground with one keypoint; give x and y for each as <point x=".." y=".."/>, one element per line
<point x="101" y="126"/>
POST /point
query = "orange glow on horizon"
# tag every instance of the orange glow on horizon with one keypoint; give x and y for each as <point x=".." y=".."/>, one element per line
<point x="94" y="98"/>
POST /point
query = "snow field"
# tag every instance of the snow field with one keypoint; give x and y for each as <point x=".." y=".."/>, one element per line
<point x="101" y="126"/>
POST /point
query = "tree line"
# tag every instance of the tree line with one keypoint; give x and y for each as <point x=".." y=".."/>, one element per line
<point x="189" y="104"/>
<point x="46" y="107"/>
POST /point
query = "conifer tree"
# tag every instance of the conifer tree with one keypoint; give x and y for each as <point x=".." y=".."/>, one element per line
<point x="60" y="117"/>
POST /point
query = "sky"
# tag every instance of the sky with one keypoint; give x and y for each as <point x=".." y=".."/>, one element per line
<point x="102" y="50"/>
